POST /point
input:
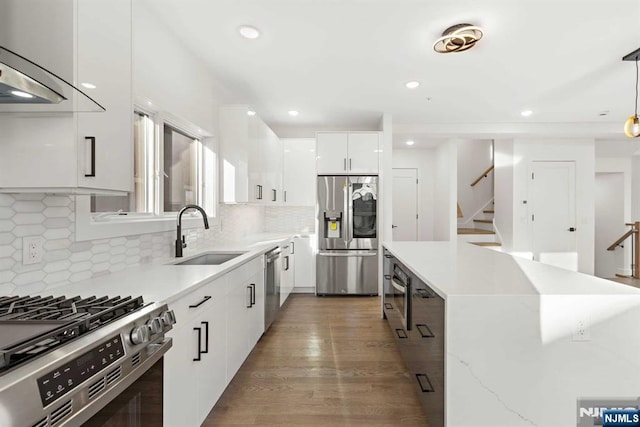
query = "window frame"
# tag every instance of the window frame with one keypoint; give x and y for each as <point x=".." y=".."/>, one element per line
<point x="101" y="225"/>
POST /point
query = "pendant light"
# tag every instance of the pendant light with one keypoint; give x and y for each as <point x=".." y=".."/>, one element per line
<point x="632" y="125"/>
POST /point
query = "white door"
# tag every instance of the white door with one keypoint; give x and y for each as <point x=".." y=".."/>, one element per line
<point x="609" y="200"/>
<point x="552" y="194"/>
<point x="405" y="204"/>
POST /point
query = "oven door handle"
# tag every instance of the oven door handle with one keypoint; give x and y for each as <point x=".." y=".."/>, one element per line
<point x="398" y="287"/>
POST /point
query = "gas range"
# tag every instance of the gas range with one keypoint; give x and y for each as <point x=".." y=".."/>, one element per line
<point x="63" y="359"/>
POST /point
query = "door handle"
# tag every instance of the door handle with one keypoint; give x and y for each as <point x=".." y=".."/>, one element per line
<point x="250" y="292"/>
<point x="572" y="229"/>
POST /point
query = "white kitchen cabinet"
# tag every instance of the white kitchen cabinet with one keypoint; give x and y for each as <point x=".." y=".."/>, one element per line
<point x="245" y="312"/>
<point x="53" y="152"/>
<point x="299" y="176"/>
<point x="251" y="158"/>
<point x="197" y="360"/>
<point x="305" y="264"/>
<point x="287" y="274"/>
<point x="347" y="153"/>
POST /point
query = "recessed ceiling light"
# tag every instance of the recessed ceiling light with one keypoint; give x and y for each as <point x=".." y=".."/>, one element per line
<point x="21" y="94"/>
<point x="410" y="142"/>
<point x="293" y="113"/>
<point x="251" y="113"/>
<point x="412" y="84"/>
<point x="249" y="32"/>
<point x="526" y="113"/>
<point x="89" y="85"/>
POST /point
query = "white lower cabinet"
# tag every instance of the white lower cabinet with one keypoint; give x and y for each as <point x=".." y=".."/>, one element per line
<point x="287" y="275"/>
<point x="217" y="326"/>
<point x="195" y="367"/>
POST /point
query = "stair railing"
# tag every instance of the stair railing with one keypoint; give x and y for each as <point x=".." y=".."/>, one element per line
<point x="483" y="175"/>
<point x="635" y="244"/>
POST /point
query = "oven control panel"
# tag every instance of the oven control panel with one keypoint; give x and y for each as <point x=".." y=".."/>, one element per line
<point x="65" y="378"/>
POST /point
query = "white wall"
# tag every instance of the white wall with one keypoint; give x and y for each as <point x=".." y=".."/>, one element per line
<point x="424" y="162"/>
<point x="609" y="210"/>
<point x="582" y="152"/>
<point x="168" y="75"/>
<point x="445" y="209"/>
<point x="474" y="157"/>
<point x="503" y="192"/>
<point x="623" y="166"/>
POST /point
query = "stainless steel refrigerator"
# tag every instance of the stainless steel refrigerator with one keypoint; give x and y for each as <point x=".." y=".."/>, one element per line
<point x="347" y="221"/>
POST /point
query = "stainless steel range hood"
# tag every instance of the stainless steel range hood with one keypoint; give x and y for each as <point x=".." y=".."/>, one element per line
<point x="26" y="87"/>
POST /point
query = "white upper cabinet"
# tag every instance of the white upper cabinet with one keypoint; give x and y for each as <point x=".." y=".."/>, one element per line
<point x="251" y="158"/>
<point x="299" y="176"/>
<point x="347" y="153"/>
<point x="332" y="153"/>
<point x="53" y="152"/>
<point x="363" y="152"/>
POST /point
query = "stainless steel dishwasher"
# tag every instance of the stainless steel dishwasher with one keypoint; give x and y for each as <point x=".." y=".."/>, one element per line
<point x="272" y="286"/>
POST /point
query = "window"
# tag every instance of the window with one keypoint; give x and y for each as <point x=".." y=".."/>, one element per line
<point x="173" y="165"/>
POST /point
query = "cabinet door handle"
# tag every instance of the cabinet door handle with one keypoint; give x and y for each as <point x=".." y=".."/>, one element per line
<point x="275" y="194"/>
<point x="388" y="305"/>
<point x="206" y="337"/>
<point x="286" y="263"/>
<point x="388" y="256"/>
<point x="293" y="248"/>
<point x="424" y="330"/>
<point x="345" y="163"/>
<point x="423" y="381"/>
<point x="253" y="294"/>
<point x="257" y="192"/>
<point x="285" y="196"/>
<point x="250" y="304"/>
<point x="205" y="299"/>
<point x="349" y="163"/>
<point x="401" y="333"/>
<point x="92" y="159"/>
<point x="198" y="358"/>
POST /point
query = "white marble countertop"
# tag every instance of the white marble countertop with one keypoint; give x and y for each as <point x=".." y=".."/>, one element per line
<point x="453" y="269"/>
<point x="165" y="283"/>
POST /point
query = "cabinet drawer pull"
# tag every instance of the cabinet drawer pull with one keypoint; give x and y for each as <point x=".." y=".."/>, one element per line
<point x="349" y="163"/>
<point x="91" y="160"/>
<point x="388" y="256"/>
<point x="424" y="293"/>
<point x="253" y="294"/>
<point x="274" y="194"/>
<point x="424" y="330"/>
<point x="345" y="163"/>
<point x="286" y="263"/>
<point x="250" y="303"/>
<point x="197" y="358"/>
<point x="285" y="196"/>
<point x="422" y="379"/>
<point x="293" y="248"/>
<point x="388" y="305"/>
<point x="401" y="333"/>
<point x="206" y="337"/>
<point x="205" y="299"/>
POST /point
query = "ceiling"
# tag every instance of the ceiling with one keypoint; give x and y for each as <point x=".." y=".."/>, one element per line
<point x="342" y="63"/>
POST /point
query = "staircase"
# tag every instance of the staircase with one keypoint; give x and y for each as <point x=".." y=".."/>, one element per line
<point x="483" y="232"/>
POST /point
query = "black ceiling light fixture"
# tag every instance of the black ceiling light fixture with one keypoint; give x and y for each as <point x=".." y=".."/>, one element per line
<point x="632" y="125"/>
<point x="458" y="38"/>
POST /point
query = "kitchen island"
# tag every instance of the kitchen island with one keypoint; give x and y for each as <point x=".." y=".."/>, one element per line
<point x="525" y="341"/>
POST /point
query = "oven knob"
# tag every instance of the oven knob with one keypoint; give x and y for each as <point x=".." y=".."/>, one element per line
<point x="169" y="318"/>
<point x="155" y="325"/>
<point x="139" y="335"/>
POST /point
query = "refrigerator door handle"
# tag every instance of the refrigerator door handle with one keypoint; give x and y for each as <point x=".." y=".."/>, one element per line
<point x="350" y="210"/>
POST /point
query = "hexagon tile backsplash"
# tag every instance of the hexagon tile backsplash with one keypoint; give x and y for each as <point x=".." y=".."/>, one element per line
<point x="65" y="260"/>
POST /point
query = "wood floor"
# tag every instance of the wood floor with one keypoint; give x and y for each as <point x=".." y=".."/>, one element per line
<point x="329" y="361"/>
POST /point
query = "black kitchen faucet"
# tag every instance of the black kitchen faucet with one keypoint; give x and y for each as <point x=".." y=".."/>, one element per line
<point x="180" y="243"/>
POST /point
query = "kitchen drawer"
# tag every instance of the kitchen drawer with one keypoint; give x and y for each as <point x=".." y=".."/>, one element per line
<point x="429" y="384"/>
<point x="195" y="302"/>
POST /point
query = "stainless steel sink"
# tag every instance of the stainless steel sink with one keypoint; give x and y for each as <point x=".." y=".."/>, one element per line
<point x="211" y="258"/>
